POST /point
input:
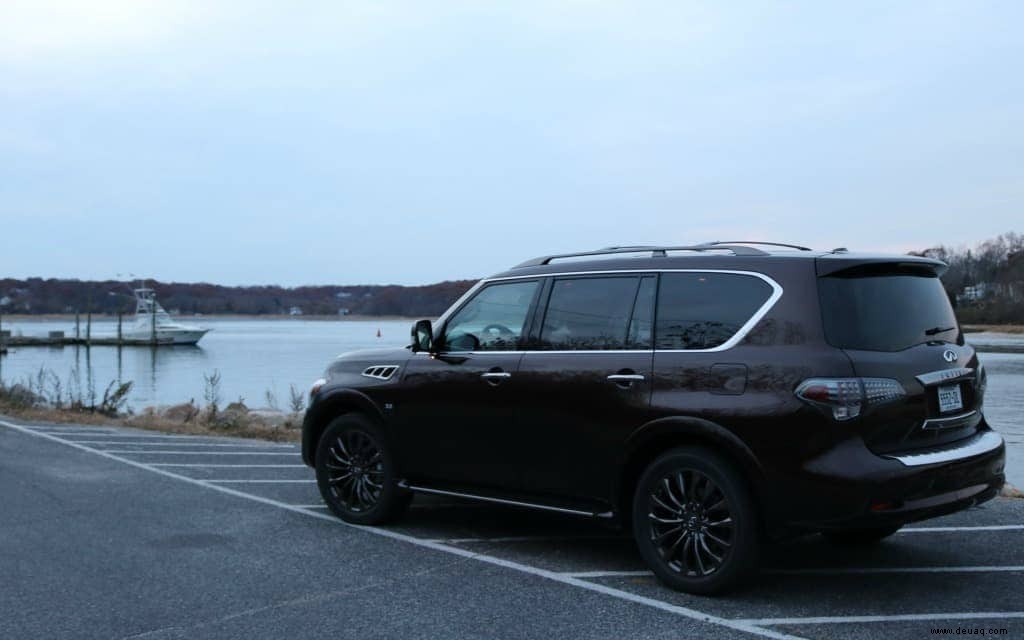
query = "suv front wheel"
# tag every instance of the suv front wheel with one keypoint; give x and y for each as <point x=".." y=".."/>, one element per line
<point x="355" y="471"/>
<point x="694" y="521"/>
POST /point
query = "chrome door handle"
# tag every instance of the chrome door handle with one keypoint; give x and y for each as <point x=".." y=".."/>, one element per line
<point x="495" y="375"/>
<point x="625" y="377"/>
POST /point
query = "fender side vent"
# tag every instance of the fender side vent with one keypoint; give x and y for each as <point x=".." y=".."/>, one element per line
<point x="381" y="372"/>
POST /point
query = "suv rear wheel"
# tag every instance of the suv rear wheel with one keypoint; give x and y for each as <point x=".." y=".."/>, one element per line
<point x="356" y="472"/>
<point x="695" y="522"/>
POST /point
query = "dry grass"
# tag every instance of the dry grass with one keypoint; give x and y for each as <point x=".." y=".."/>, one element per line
<point x="998" y="328"/>
<point x="251" y="428"/>
<point x="1010" y="491"/>
<point x="243" y="428"/>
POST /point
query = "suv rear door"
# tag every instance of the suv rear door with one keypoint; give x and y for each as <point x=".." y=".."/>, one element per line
<point x="587" y="374"/>
<point x="894" y="320"/>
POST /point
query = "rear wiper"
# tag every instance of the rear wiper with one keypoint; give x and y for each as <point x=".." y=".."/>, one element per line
<point x="935" y="330"/>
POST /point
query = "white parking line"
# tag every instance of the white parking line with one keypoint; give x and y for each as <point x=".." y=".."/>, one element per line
<point x="685" y="612"/>
<point x="194" y="453"/>
<point x="997" y="527"/>
<point x="529" y="539"/>
<point x="608" y="574"/>
<point x="311" y="506"/>
<point x="161" y="436"/>
<point x="904" y="617"/>
<point x="227" y="466"/>
<point x="262" y="481"/>
<point x="188" y="444"/>
<point x="872" y="570"/>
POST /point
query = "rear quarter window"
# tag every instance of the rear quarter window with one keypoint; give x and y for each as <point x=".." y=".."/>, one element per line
<point x="704" y="310"/>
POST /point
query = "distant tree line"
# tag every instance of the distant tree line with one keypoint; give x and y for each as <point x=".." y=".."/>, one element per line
<point x="985" y="282"/>
<point x="51" y="296"/>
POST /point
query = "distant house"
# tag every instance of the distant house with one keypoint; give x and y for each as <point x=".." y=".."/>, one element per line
<point x="975" y="293"/>
<point x="343" y="294"/>
<point x="343" y="311"/>
<point x="4" y="301"/>
<point x="295" y="311"/>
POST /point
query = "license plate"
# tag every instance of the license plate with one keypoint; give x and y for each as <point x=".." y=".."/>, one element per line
<point x="950" y="398"/>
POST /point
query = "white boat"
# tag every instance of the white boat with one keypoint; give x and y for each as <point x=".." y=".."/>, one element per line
<point x="154" y="324"/>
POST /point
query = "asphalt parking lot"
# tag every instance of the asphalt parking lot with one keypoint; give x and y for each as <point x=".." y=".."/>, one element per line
<point x="117" y="533"/>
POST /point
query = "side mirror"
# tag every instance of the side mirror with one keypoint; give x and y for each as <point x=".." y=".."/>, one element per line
<point x="422" y="336"/>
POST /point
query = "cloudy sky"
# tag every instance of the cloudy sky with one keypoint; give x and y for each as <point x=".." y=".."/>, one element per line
<point x="374" y="142"/>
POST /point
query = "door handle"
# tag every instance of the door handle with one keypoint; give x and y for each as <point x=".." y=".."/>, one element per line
<point x="626" y="377"/>
<point x="495" y="375"/>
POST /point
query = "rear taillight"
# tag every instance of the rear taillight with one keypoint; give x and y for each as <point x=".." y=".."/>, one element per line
<point x="845" y="397"/>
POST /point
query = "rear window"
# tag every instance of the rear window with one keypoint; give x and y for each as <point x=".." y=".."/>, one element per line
<point x="886" y="312"/>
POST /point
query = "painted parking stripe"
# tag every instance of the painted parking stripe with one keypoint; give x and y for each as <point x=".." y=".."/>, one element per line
<point x="872" y="570"/>
<point x="152" y="436"/>
<point x="187" y="444"/>
<point x="530" y="539"/>
<point x="608" y="574"/>
<point x="311" y="506"/>
<point x="905" y="617"/>
<point x="262" y="481"/>
<point x="826" y="571"/>
<point x="686" y="612"/>
<point x="191" y="453"/>
<point x="997" y="527"/>
<point x="228" y="466"/>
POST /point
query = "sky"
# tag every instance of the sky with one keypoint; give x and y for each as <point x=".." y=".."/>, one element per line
<point x="259" y="142"/>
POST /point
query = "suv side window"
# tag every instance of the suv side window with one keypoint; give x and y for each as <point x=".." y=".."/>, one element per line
<point x="588" y="313"/>
<point x="704" y="310"/>
<point x="492" y="320"/>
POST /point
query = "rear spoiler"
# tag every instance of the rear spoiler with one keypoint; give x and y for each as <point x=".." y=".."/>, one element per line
<point x="852" y="264"/>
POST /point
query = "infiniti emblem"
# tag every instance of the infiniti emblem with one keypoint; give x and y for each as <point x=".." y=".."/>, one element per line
<point x="949" y="355"/>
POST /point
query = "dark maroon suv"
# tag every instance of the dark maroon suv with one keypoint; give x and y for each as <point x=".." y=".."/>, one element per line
<point x="707" y="396"/>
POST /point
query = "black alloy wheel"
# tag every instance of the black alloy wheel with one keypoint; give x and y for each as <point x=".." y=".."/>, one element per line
<point x="355" y="472"/>
<point x="690" y="523"/>
<point x="694" y="522"/>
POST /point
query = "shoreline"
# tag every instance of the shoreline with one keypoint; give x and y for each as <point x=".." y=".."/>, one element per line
<point x="994" y="328"/>
<point x="96" y="317"/>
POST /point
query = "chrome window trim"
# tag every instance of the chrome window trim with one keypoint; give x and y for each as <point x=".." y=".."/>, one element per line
<point x="736" y="338"/>
<point x="986" y="442"/>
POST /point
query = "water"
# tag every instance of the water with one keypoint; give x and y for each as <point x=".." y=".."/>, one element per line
<point x="256" y="356"/>
<point x="252" y="356"/>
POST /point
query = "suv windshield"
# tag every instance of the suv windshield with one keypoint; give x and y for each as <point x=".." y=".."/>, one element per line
<point x="887" y="312"/>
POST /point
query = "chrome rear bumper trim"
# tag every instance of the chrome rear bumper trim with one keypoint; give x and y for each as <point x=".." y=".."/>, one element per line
<point x="951" y="421"/>
<point x="982" y="443"/>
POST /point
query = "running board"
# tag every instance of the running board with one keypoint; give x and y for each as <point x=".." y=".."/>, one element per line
<point x="514" y="503"/>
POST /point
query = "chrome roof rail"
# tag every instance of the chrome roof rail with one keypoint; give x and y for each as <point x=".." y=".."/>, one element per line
<point x="656" y="252"/>
<point x="767" y="244"/>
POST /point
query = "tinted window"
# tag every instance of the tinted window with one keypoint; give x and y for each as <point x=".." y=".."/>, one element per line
<point x="704" y="310"/>
<point x="492" y="320"/>
<point x="885" y="312"/>
<point x="588" y="313"/>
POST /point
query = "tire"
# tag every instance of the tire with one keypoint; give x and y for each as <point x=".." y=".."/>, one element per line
<point x="860" y="537"/>
<point x="716" y="518"/>
<point x="355" y="471"/>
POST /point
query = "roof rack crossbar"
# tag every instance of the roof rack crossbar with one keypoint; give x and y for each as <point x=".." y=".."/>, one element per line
<point x="656" y="252"/>
<point x="767" y="244"/>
